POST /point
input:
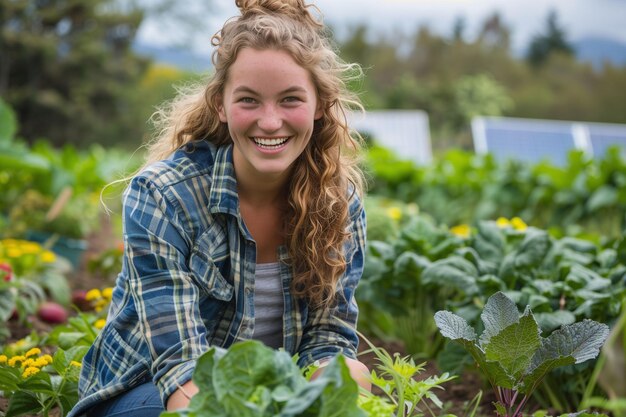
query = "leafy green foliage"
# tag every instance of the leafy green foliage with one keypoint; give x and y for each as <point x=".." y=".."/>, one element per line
<point x="511" y="352"/>
<point x="584" y="196"/>
<point x="404" y="394"/>
<point x="54" y="385"/>
<point x="250" y="379"/>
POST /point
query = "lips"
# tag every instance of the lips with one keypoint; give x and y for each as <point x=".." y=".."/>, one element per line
<point x="270" y="143"/>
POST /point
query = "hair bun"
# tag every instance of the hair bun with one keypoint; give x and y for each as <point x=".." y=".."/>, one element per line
<point x="295" y="9"/>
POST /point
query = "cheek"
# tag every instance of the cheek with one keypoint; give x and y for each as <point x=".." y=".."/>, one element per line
<point x="238" y="118"/>
<point x="303" y="118"/>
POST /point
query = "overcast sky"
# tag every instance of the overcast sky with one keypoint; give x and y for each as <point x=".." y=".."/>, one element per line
<point x="579" y="18"/>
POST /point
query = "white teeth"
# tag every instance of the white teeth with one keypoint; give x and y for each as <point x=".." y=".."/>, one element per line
<point x="270" y="142"/>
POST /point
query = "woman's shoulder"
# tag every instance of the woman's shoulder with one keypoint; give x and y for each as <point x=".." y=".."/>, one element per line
<point x="191" y="160"/>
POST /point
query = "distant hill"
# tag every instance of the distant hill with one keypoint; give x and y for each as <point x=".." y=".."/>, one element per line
<point x="176" y="57"/>
<point x="599" y="50"/>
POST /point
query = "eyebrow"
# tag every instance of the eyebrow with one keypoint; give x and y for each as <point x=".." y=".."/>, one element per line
<point x="293" y="89"/>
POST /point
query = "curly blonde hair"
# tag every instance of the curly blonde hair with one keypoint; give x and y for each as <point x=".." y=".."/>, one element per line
<point x="326" y="173"/>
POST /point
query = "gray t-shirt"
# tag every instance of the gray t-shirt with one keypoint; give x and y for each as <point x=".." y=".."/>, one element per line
<point x="268" y="305"/>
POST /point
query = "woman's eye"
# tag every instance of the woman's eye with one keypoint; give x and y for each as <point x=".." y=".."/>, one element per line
<point x="292" y="99"/>
<point x="248" y="100"/>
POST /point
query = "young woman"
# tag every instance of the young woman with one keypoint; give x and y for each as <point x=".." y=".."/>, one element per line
<point x="246" y="222"/>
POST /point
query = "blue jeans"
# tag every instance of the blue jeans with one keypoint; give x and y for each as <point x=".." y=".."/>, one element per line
<point x="141" y="401"/>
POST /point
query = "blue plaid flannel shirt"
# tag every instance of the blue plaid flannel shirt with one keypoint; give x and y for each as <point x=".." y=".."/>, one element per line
<point x="187" y="282"/>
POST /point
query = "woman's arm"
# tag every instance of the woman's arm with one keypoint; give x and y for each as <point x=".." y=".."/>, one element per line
<point x="164" y="291"/>
<point x="181" y="397"/>
<point x="332" y="331"/>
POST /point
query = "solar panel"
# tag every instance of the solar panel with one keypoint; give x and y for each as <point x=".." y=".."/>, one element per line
<point x="603" y="136"/>
<point x="527" y="140"/>
<point x="533" y="140"/>
<point x="406" y="132"/>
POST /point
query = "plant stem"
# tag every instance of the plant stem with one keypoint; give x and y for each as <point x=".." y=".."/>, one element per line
<point x="518" y="410"/>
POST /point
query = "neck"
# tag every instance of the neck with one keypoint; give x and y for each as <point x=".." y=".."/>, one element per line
<point x="260" y="190"/>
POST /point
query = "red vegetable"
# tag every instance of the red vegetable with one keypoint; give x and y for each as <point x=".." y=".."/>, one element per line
<point x="79" y="300"/>
<point x="8" y="271"/>
<point x="51" y="312"/>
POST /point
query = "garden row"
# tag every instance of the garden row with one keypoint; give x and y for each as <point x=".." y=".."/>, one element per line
<point x="583" y="196"/>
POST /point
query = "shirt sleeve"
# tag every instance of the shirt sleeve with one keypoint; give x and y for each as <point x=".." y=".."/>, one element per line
<point x="165" y="296"/>
<point x="329" y="332"/>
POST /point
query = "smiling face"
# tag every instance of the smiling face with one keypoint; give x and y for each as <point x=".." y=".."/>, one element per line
<point x="269" y="103"/>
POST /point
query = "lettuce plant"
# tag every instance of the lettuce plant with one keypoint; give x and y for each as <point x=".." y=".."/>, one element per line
<point x="513" y="355"/>
<point x="252" y="380"/>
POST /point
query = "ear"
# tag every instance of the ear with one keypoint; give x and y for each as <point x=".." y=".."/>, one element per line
<point x="220" y="109"/>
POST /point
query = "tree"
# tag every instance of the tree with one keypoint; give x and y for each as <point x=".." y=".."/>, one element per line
<point x="494" y="33"/>
<point x="66" y="67"/>
<point x="553" y="41"/>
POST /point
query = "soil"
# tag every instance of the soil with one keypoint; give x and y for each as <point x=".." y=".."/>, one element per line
<point x="456" y="394"/>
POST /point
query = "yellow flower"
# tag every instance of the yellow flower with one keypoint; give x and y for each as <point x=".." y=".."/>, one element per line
<point x="99" y="324"/>
<point x="100" y="304"/>
<point x="28" y="362"/>
<point x="14" y="253"/>
<point x="518" y="224"/>
<point x="41" y="362"/>
<point x="47" y="358"/>
<point x="15" y="359"/>
<point x="93" y="294"/>
<point x="3" y="359"/>
<point x="76" y="364"/>
<point x="30" y="371"/>
<point x="462" y="230"/>
<point x="395" y="213"/>
<point x="48" y="257"/>
<point x="107" y="293"/>
<point x="503" y="222"/>
<point x="32" y="352"/>
<point x="30" y="247"/>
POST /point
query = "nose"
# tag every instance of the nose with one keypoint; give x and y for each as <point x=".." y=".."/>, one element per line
<point x="270" y="119"/>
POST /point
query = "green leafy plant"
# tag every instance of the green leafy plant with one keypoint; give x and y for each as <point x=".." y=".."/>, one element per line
<point x="513" y="355"/>
<point x="404" y="394"/>
<point x="250" y="379"/>
<point x="37" y="384"/>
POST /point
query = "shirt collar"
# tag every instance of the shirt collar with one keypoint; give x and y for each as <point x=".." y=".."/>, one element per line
<point x="223" y="196"/>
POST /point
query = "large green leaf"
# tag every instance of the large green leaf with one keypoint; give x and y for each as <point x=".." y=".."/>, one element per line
<point x="513" y="347"/>
<point x="21" y="403"/>
<point x="409" y="266"/>
<point x="581" y="340"/>
<point x="248" y="364"/>
<point x="333" y="394"/>
<point x="533" y="248"/>
<point x="453" y="272"/>
<point x="605" y="196"/>
<point x="10" y="377"/>
<point x="499" y="313"/>
<point x="571" y="344"/>
<point x="203" y="373"/>
<point x="489" y="242"/>
<point x="454" y="327"/>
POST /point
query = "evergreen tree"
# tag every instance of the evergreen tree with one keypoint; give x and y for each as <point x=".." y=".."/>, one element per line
<point x="66" y="67"/>
<point x="544" y="45"/>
